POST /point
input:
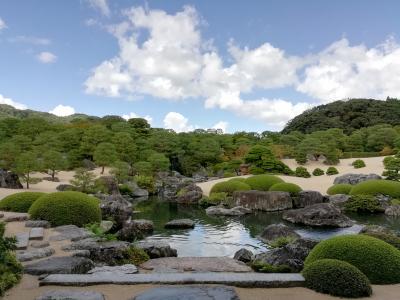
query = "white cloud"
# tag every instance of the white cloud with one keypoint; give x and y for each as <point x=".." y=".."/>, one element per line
<point x="100" y="5"/>
<point x="2" y="24"/>
<point x="132" y="115"/>
<point x="62" y="110"/>
<point x="177" y="122"/>
<point x="221" y="125"/>
<point x="30" y="40"/>
<point x="9" y="101"/>
<point x="46" y="57"/>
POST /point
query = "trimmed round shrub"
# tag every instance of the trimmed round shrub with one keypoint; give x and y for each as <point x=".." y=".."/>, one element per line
<point x="241" y="179"/>
<point x="377" y="187"/>
<point x="332" y="171"/>
<point x="386" y="237"/>
<point x="64" y="208"/>
<point x="378" y="260"/>
<point x="341" y="188"/>
<point x="256" y="170"/>
<point x="358" y="163"/>
<point x="229" y="187"/>
<point x="20" y="202"/>
<point x="318" y="172"/>
<point x="262" y="182"/>
<point x="337" y="278"/>
<point x="291" y="188"/>
<point x="363" y="204"/>
<point x="302" y="172"/>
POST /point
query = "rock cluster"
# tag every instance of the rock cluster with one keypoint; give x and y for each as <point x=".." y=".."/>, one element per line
<point x="9" y="180"/>
<point x="265" y="201"/>
<point x="355" y="178"/>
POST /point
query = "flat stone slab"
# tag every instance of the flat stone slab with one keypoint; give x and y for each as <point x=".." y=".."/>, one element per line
<point x="22" y="240"/>
<point x="34" y="254"/>
<point x="261" y="280"/>
<point x="189" y="293"/>
<point x="40" y="244"/>
<point x="37" y="233"/>
<point x="124" y="269"/>
<point x="70" y="295"/>
<point x="180" y="224"/>
<point x="37" y="223"/>
<point x="60" y="265"/>
<point x="16" y="218"/>
<point x="196" y="264"/>
<point x="70" y="232"/>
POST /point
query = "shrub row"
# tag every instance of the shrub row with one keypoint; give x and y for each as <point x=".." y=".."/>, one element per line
<point x="19" y="202"/>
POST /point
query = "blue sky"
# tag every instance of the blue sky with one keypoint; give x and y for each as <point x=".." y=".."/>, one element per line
<point x="237" y="65"/>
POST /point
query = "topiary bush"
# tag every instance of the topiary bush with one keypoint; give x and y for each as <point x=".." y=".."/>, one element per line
<point x="64" y="208"/>
<point x="19" y="202"/>
<point x="241" y="179"/>
<point x="262" y="182"/>
<point x="378" y="260"/>
<point x="318" y="172"/>
<point x="332" y="171"/>
<point x="377" y="187"/>
<point x="358" y="164"/>
<point x="341" y="188"/>
<point x="229" y="187"/>
<point x="363" y="203"/>
<point x="302" y="172"/>
<point x="337" y="278"/>
<point x="386" y="237"/>
<point x="291" y="188"/>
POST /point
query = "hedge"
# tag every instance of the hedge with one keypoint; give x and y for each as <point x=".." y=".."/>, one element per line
<point x="376" y="187"/>
<point x="341" y="188"/>
<point x="378" y="260"/>
<point x="360" y="154"/>
<point x="229" y="187"/>
<point x="19" y="202"/>
<point x="291" y="188"/>
<point x="64" y="208"/>
<point x="262" y="182"/>
<point x="358" y="164"/>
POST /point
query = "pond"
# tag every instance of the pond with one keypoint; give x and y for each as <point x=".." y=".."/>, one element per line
<point x="223" y="236"/>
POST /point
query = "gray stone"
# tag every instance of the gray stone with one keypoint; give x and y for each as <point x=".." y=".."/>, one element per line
<point x="16" y="218"/>
<point x="124" y="269"/>
<point x="131" y="232"/>
<point x="106" y="225"/>
<point x="168" y="185"/>
<point x="138" y="192"/>
<point x="34" y="254"/>
<point x="393" y="210"/>
<point x="157" y="249"/>
<point x="55" y="179"/>
<point x="9" y="180"/>
<point x="243" y="255"/>
<point x="115" y="207"/>
<point x="339" y="200"/>
<point x="222" y="211"/>
<point x="265" y="201"/>
<point x="190" y="194"/>
<point x="145" y="226"/>
<point x="376" y="229"/>
<point x="70" y="232"/>
<point x="37" y="223"/>
<point x="40" y="244"/>
<point x="65" y="187"/>
<point x="22" y="240"/>
<point x="36" y="233"/>
<point x="180" y="224"/>
<point x="307" y="198"/>
<point x="319" y="215"/>
<point x="70" y="295"/>
<point x="196" y="264"/>
<point x="60" y="265"/>
<point x="275" y="231"/>
<point x="188" y="293"/>
<point x="355" y="178"/>
<point x="81" y="253"/>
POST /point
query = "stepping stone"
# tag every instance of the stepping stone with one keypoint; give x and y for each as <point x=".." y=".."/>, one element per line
<point x="70" y="232"/>
<point x="37" y="233"/>
<point x="37" y="223"/>
<point x="34" y="254"/>
<point x="70" y="295"/>
<point x="60" y="265"/>
<point x="40" y="244"/>
<point x="189" y="293"/>
<point x="180" y="224"/>
<point x="124" y="269"/>
<point x="16" y="218"/>
<point x="22" y="240"/>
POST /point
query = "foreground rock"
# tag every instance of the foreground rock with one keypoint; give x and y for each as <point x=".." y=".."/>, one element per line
<point x="124" y="269"/>
<point x="393" y="210"/>
<point x="243" y="255"/>
<point x="180" y="224"/>
<point x="34" y="254"/>
<point x="116" y="208"/>
<point x="196" y="264"/>
<point x="319" y="215"/>
<point x="70" y="295"/>
<point x="222" y="211"/>
<point x="157" y="249"/>
<point x="307" y="198"/>
<point x="190" y="194"/>
<point x="9" y="180"/>
<point x="60" y="265"/>
<point x="291" y="255"/>
<point x="189" y="293"/>
<point x="265" y="201"/>
<point x="355" y="178"/>
<point x="132" y="231"/>
<point x="145" y="226"/>
<point x="70" y="232"/>
<point x="275" y="231"/>
<point x="169" y="184"/>
<point x="339" y="200"/>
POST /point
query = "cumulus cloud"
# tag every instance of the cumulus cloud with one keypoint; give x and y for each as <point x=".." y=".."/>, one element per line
<point x="100" y="5"/>
<point x="177" y="122"/>
<point x="30" y="40"/>
<point x="46" y="57"/>
<point x="221" y="125"/>
<point x="62" y="110"/>
<point x="9" y="101"/>
<point x="132" y="115"/>
<point x="2" y="24"/>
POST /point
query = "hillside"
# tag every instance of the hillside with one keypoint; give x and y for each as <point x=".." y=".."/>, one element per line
<point x="348" y="115"/>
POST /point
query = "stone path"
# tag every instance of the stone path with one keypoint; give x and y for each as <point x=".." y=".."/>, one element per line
<point x="36" y="233"/>
<point x="22" y="240"/>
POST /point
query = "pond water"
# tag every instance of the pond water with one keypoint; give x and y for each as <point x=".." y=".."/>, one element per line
<point x="223" y="236"/>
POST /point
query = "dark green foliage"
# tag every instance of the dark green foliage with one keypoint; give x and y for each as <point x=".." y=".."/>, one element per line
<point x="268" y="268"/>
<point x="360" y="154"/>
<point x="124" y="189"/>
<point x="291" y="188"/>
<point x="302" y="172"/>
<point x="332" y="171"/>
<point x="262" y="182"/>
<point x="96" y="229"/>
<point x="363" y="203"/>
<point x="391" y="239"/>
<point x="134" y="256"/>
<point x="378" y="260"/>
<point x="64" y="208"/>
<point x="376" y="187"/>
<point x="262" y="157"/>
<point x="318" y="172"/>
<point x="19" y="202"/>
<point x="358" y="164"/>
<point x="282" y="241"/>
<point x="256" y="170"/>
<point x="146" y="182"/>
<point x="217" y="198"/>
<point x="337" y="278"/>
<point x="392" y="167"/>
<point x="229" y="187"/>
<point x="241" y="179"/>
<point x="342" y="188"/>
<point x="84" y="180"/>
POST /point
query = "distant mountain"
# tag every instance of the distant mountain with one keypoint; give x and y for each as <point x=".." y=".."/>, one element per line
<point x="348" y="115"/>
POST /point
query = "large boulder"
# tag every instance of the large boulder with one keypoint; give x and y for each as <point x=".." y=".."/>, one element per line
<point x="244" y="255"/>
<point x="275" y="231"/>
<point x="190" y="194"/>
<point x="222" y="211"/>
<point x="351" y="178"/>
<point x="169" y="184"/>
<point x="70" y="232"/>
<point x="135" y="229"/>
<point x="339" y="200"/>
<point x="116" y="208"/>
<point x="157" y="249"/>
<point x="393" y="210"/>
<point x="60" y="265"/>
<point x="319" y="215"/>
<point x="291" y="255"/>
<point x="265" y="201"/>
<point x="9" y="180"/>
<point x="306" y="198"/>
<point x="180" y="224"/>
